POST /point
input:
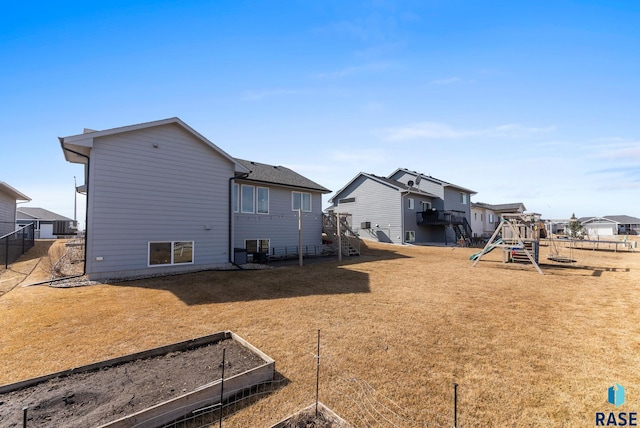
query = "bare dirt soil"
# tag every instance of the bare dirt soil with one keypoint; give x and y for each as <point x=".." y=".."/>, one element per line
<point x="98" y="397"/>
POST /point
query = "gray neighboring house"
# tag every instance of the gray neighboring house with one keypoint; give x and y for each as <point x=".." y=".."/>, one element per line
<point x="486" y="217"/>
<point x="9" y="198"/>
<point x="405" y="207"/>
<point x="43" y="220"/>
<point x="627" y="225"/>
<point x="141" y="179"/>
<point x="265" y="210"/>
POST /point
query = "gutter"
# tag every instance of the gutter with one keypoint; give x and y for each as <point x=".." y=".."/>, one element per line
<point x="231" y="247"/>
<point x="86" y="210"/>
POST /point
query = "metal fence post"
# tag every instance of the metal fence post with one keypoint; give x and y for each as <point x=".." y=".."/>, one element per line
<point x="455" y="405"/>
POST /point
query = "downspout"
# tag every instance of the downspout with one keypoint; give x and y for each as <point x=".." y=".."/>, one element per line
<point x="86" y="209"/>
<point x="231" y="247"/>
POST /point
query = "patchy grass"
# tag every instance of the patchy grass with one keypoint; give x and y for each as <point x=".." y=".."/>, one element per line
<point x="399" y="326"/>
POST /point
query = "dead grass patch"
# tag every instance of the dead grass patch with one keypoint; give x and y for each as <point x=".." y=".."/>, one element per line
<point x="399" y="326"/>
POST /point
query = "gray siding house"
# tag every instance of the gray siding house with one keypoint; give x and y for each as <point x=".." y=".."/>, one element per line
<point x="405" y="207"/>
<point x="266" y="207"/>
<point x="8" y="203"/>
<point x="140" y="180"/>
<point x="42" y="219"/>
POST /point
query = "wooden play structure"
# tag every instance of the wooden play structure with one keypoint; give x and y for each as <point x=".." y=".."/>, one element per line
<point x="518" y="235"/>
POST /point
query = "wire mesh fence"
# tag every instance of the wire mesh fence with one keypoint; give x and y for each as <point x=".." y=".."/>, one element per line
<point x="15" y="244"/>
<point x="360" y="403"/>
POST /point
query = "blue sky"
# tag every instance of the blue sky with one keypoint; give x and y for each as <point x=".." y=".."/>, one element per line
<point x="533" y="102"/>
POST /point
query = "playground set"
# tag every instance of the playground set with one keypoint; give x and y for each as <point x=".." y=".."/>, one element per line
<point x="518" y="236"/>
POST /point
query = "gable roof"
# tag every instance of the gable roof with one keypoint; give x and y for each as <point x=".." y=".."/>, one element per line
<point x="76" y="147"/>
<point x="430" y="178"/>
<point x="18" y="196"/>
<point x="510" y="207"/>
<point x="623" y="219"/>
<point x="585" y="220"/>
<point x="34" y="213"/>
<point x="280" y="175"/>
<point x="401" y="187"/>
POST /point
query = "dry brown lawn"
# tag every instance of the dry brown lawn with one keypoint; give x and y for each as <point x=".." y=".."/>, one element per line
<point x="399" y="326"/>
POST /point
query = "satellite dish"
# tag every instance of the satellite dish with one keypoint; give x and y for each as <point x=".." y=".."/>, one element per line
<point x="410" y="183"/>
<point x="418" y="178"/>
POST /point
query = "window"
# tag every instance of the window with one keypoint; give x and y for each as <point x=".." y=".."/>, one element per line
<point x="301" y="200"/>
<point x="409" y="236"/>
<point x="262" y="200"/>
<point x="170" y="253"/>
<point x="463" y="198"/>
<point x="257" y="245"/>
<point x="425" y="206"/>
<point x="346" y="200"/>
<point x="410" y="203"/>
<point x="247" y="198"/>
<point x="475" y="216"/>
<point x="491" y="218"/>
<point x="236" y="197"/>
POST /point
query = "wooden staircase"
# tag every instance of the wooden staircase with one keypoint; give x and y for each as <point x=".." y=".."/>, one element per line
<point x="350" y="241"/>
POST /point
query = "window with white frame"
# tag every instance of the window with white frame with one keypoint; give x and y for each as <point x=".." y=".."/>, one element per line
<point x="410" y="203"/>
<point x="491" y="218"/>
<point x="409" y="236"/>
<point x="247" y="198"/>
<point x="463" y="198"/>
<point x="262" y="200"/>
<point x="170" y="253"/>
<point x="236" y="197"/>
<point x="301" y="200"/>
<point x="256" y="245"/>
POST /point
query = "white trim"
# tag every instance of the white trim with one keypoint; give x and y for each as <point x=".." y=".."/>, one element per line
<point x="293" y="208"/>
<point x="257" y="200"/>
<point x="253" y="199"/>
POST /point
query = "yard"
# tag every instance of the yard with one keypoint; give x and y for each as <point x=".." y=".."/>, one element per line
<point x="399" y="326"/>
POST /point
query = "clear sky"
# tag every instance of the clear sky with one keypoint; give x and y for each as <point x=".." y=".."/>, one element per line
<point x="522" y="101"/>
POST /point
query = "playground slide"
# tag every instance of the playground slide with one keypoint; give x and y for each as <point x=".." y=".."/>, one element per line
<point x="474" y="256"/>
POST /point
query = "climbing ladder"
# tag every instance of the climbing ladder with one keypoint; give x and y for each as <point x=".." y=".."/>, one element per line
<point x="519" y="240"/>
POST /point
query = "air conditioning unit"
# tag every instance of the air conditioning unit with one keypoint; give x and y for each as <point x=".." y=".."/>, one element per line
<point x="365" y="225"/>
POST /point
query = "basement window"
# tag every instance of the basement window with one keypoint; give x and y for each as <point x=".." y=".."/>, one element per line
<point x="170" y="253"/>
<point x="257" y="245"/>
<point x="409" y="236"/>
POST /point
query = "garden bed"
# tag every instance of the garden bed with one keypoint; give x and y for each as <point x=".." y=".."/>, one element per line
<point x="143" y="389"/>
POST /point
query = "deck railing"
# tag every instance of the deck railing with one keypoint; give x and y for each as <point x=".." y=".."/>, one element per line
<point x="432" y="217"/>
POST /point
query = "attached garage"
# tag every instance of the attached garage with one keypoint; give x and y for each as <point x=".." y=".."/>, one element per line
<point x="600" y="226"/>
